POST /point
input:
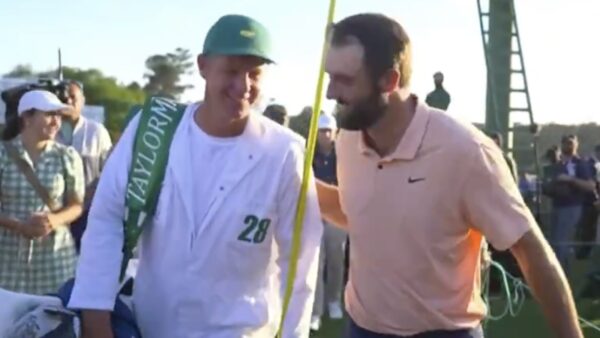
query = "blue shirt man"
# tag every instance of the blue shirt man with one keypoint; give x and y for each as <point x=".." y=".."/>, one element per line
<point x="571" y="181"/>
<point x="333" y="247"/>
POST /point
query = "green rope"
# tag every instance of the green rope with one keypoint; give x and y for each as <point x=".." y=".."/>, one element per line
<point x="514" y="299"/>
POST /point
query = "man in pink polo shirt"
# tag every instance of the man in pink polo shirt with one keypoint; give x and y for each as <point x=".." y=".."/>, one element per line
<point x="418" y="192"/>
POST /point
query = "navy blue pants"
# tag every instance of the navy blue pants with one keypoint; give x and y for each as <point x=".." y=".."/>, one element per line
<point x="355" y="331"/>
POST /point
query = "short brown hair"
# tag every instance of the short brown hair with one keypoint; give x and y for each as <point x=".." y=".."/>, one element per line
<point x="386" y="44"/>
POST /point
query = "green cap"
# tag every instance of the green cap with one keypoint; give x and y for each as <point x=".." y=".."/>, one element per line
<point x="238" y="35"/>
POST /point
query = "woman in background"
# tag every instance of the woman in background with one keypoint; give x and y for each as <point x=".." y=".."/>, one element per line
<point x="37" y="252"/>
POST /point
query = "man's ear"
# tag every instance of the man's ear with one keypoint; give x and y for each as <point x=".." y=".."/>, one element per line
<point x="390" y="81"/>
<point x="202" y="60"/>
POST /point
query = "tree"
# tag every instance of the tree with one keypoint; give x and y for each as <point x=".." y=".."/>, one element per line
<point x="166" y="71"/>
<point x="20" y="71"/>
<point x="134" y="86"/>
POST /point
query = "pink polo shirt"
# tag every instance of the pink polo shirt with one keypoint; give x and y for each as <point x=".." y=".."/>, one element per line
<point x="416" y="221"/>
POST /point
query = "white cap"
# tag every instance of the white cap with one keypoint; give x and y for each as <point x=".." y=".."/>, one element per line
<point x="327" y="121"/>
<point x="41" y="100"/>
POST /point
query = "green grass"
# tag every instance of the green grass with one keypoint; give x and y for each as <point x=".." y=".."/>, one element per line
<point x="529" y="323"/>
<point x="330" y="329"/>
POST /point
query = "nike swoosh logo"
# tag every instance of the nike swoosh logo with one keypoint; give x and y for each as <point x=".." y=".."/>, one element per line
<point x="414" y="180"/>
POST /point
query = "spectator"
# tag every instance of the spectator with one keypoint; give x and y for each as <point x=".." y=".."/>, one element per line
<point x="567" y="183"/>
<point x="586" y="230"/>
<point x="330" y="283"/>
<point x="37" y="253"/>
<point x="439" y="97"/>
<point x="277" y="113"/>
<point x="92" y="142"/>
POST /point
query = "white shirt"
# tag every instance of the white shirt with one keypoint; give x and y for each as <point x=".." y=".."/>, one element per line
<point x="209" y="154"/>
<point x="92" y="142"/>
<point x="222" y="277"/>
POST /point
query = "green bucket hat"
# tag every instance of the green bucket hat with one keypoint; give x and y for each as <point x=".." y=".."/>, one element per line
<point x="238" y="35"/>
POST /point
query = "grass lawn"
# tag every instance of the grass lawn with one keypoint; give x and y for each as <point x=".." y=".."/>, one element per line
<point x="528" y="324"/>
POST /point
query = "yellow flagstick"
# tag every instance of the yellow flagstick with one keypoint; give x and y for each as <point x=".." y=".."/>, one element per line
<point x="310" y="152"/>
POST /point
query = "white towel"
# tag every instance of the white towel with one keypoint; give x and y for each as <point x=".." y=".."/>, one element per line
<point x="31" y="316"/>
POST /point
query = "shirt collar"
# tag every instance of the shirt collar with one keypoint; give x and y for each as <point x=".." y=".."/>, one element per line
<point x="412" y="139"/>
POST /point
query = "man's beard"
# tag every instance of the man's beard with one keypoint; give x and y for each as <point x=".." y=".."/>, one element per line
<point x="363" y="114"/>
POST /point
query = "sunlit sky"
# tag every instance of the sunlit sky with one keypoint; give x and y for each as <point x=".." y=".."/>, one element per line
<point x="562" y="60"/>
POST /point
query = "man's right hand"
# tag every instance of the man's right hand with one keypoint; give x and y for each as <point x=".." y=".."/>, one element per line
<point x="96" y="324"/>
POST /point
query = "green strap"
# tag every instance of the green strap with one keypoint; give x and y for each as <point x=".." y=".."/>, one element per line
<point x="158" y="122"/>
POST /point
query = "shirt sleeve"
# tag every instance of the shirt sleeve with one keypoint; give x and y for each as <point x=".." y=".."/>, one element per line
<point x="491" y="199"/>
<point x="74" y="176"/>
<point x="97" y="277"/>
<point x="297" y="320"/>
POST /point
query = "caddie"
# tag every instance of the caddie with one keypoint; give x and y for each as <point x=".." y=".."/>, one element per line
<point x="214" y="256"/>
